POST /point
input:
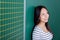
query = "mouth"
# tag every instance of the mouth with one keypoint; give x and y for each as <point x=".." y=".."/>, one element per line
<point x="45" y="19"/>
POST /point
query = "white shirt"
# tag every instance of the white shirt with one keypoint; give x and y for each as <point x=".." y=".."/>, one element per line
<point x="39" y="34"/>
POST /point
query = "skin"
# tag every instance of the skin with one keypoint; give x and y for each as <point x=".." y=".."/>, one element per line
<point x="44" y="16"/>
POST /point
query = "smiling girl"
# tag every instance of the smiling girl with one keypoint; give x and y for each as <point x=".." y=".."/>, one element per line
<point x="41" y="30"/>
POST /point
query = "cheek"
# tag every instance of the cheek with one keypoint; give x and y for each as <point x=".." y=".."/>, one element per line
<point x="47" y="17"/>
<point x="42" y="18"/>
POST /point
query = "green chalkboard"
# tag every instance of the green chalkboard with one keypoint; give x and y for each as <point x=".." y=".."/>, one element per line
<point x="54" y="12"/>
<point x="11" y="19"/>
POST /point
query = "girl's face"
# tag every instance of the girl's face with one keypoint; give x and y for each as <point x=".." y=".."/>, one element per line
<point x="44" y="15"/>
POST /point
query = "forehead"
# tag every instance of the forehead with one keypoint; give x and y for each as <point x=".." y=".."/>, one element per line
<point x="43" y="10"/>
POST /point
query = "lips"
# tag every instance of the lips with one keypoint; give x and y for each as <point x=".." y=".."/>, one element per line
<point x="45" y="19"/>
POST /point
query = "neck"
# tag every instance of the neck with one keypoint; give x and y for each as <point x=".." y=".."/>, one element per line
<point x="42" y="24"/>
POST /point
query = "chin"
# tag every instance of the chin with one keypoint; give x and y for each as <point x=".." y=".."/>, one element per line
<point x="46" y="21"/>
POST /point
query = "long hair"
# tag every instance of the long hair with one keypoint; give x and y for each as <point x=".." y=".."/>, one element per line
<point x="37" y="11"/>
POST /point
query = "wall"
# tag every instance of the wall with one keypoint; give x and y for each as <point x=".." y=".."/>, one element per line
<point x="54" y="20"/>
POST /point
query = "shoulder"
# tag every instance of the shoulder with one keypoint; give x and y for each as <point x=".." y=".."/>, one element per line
<point x="37" y="30"/>
<point x="36" y="33"/>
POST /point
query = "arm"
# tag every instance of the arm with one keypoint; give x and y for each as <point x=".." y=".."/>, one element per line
<point x="36" y="35"/>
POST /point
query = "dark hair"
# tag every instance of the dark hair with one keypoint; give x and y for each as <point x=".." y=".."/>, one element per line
<point x="37" y="11"/>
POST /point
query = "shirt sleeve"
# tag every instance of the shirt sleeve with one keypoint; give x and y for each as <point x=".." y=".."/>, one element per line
<point x="36" y="35"/>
